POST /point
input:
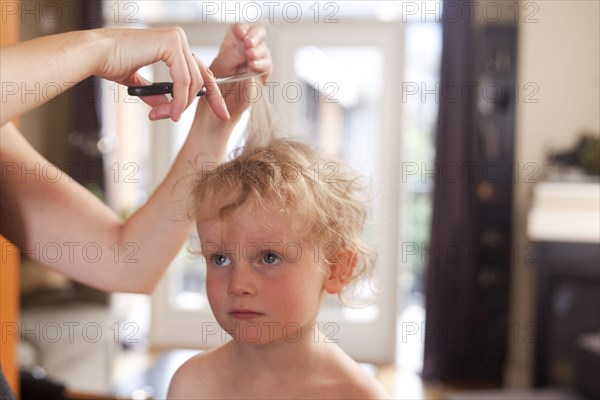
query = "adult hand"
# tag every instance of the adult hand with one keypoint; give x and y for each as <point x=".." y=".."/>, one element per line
<point x="131" y="49"/>
<point x="243" y="50"/>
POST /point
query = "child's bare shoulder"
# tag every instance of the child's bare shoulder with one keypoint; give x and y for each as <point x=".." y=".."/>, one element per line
<point x="199" y="377"/>
<point x="362" y="386"/>
<point x="350" y="381"/>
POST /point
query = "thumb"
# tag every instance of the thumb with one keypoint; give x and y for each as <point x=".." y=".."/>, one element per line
<point x="136" y="79"/>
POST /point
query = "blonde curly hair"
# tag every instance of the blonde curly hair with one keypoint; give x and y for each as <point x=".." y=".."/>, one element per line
<point x="302" y="184"/>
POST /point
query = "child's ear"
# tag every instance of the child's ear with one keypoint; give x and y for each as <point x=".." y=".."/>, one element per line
<point x="341" y="269"/>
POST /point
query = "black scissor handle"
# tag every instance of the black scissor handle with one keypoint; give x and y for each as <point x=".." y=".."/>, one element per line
<point x="156" y="89"/>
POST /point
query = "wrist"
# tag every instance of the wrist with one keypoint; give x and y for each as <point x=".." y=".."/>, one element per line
<point x="211" y="132"/>
<point x="101" y="43"/>
<point x="207" y="119"/>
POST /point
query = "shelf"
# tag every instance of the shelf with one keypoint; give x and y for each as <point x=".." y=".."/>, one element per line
<point x="565" y="212"/>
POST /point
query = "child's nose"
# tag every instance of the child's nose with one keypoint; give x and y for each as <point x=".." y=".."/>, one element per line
<point x="242" y="279"/>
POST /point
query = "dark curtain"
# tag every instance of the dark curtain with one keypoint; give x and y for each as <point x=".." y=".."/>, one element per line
<point x="85" y="163"/>
<point x="450" y="283"/>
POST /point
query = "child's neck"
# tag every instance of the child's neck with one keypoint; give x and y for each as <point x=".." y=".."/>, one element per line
<point x="281" y="356"/>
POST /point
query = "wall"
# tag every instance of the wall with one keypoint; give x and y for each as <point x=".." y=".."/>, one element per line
<point x="559" y="54"/>
<point x="46" y="127"/>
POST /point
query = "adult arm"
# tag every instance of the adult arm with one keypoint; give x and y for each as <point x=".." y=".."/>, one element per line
<point x="62" y="225"/>
<point x="35" y="71"/>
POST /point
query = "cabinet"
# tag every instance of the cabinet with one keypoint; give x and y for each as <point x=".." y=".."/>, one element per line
<point x="9" y="259"/>
<point x="564" y="225"/>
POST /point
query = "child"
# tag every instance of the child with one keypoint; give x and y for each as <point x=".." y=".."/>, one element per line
<point x="279" y="226"/>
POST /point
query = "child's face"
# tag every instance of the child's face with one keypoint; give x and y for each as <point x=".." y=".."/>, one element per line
<point x="263" y="283"/>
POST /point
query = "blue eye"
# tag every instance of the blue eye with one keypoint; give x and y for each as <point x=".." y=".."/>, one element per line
<point x="221" y="260"/>
<point x="271" y="258"/>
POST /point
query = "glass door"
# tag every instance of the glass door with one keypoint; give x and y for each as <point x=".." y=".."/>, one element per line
<point x="348" y="74"/>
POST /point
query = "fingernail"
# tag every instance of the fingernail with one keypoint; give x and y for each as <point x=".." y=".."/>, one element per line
<point x="155" y="114"/>
<point x="243" y="28"/>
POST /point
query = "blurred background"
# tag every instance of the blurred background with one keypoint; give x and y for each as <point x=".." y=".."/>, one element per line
<point x="478" y="125"/>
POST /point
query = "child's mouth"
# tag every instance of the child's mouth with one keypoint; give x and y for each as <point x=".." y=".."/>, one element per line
<point x="245" y="314"/>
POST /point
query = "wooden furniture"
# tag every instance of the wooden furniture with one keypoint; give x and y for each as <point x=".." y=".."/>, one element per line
<point x="564" y="225"/>
<point x="9" y="261"/>
<point x="567" y="308"/>
<point x="9" y="310"/>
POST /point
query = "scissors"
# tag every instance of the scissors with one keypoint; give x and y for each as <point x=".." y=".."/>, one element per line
<point x="167" y="87"/>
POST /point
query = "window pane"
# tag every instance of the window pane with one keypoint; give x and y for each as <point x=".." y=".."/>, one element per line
<point x="187" y="284"/>
<point x="181" y="11"/>
<point x="187" y="278"/>
<point x="341" y="115"/>
<point x="422" y="55"/>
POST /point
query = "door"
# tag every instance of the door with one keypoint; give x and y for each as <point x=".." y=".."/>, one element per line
<point x="347" y="73"/>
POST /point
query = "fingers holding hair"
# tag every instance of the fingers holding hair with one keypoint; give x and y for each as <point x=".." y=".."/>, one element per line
<point x="258" y="55"/>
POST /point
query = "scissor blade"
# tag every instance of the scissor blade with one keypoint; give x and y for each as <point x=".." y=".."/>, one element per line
<point x="238" y="77"/>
